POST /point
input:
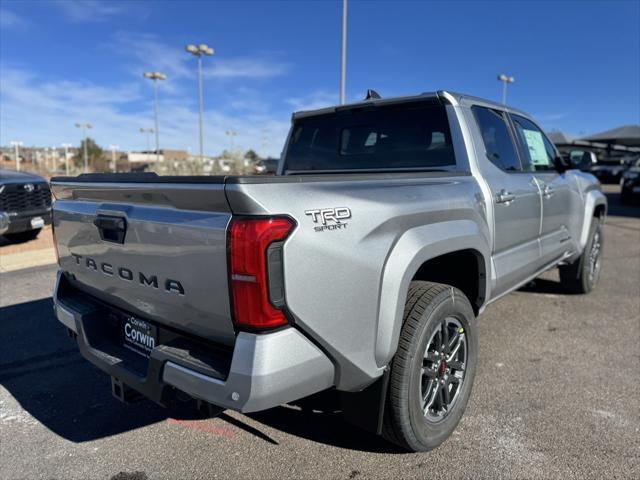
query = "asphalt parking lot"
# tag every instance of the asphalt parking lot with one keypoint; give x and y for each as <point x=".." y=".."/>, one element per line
<point x="557" y="395"/>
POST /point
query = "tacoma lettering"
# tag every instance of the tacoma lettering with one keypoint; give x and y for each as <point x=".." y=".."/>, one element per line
<point x="123" y="273"/>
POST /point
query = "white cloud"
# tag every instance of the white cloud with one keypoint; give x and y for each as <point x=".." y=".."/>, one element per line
<point x="88" y="10"/>
<point x="8" y="19"/>
<point x="313" y="101"/>
<point x="149" y="53"/>
<point x="550" y="117"/>
<point x="244" y="68"/>
<point x="42" y="112"/>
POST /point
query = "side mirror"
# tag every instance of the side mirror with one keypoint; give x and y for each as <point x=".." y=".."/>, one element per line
<point x="561" y="164"/>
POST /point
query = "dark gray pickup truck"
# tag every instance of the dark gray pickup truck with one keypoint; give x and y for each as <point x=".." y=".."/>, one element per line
<point x="25" y="205"/>
<point x="360" y="267"/>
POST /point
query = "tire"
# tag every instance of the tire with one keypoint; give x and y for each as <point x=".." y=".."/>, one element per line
<point x="582" y="275"/>
<point x="21" y="237"/>
<point x="626" y="197"/>
<point x="405" y="423"/>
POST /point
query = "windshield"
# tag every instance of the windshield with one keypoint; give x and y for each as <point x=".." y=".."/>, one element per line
<point x="402" y="136"/>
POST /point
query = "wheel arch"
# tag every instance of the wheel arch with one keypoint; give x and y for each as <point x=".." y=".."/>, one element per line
<point x="449" y="245"/>
<point x="595" y="206"/>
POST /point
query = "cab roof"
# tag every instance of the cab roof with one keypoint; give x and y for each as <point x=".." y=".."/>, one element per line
<point x="442" y="97"/>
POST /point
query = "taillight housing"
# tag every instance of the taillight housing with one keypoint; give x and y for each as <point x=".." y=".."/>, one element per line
<point x="255" y="253"/>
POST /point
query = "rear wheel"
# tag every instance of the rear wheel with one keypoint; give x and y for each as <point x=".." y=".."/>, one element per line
<point x="433" y="370"/>
<point x="22" y="236"/>
<point x="582" y="275"/>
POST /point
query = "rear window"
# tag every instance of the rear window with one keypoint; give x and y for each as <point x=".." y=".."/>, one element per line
<point x="407" y="136"/>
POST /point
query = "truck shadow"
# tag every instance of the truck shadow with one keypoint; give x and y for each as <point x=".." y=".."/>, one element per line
<point x="43" y="371"/>
<point x="319" y="419"/>
<point x="543" y="285"/>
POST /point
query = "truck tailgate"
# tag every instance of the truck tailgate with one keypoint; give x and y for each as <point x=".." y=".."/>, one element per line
<point x="156" y="250"/>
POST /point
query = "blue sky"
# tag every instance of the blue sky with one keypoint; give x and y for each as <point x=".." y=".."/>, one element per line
<point x="576" y="64"/>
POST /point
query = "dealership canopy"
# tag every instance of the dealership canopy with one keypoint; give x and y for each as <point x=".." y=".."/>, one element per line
<point x="628" y="135"/>
<point x="559" y="137"/>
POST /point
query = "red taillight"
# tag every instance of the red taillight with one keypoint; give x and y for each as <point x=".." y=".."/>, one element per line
<point x="249" y="239"/>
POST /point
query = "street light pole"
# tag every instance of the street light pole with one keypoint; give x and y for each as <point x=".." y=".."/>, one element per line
<point x="155" y="76"/>
<point x="343" y="57"/>
<point x="505" y="80"/>
<point x="265" y="141"/>
<point x="84" y="127"/>
<point x="147" y="131"/>
<point x="54" y="158"/>
<point x="231" y="134"/>
<point x="202" y="49"/>
<point x="66" y="158"/>
<point x="16" y="147"/>
<point x="113" y="149"/>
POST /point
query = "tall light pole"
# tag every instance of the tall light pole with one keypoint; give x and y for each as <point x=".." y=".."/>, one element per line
<point x="265" y="141"/>
<point x="505" y="80"/>
<point x="66" y="158"/>
<point x="202" y="49"/>
<point x="147" y="131"/>
<point x="54" y="158"/>
<point x="155" y="76"/>
<point x="113" y="149"/>
<point x="84" y="127"/>
<point x="16" y="147"/>
<point x="231" y="134"/>
<point x="343" y="57"/>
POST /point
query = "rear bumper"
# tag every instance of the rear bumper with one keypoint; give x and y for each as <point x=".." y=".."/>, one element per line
<point x="265" y="370"/>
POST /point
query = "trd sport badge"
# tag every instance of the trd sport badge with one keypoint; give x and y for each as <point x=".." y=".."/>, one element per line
<point x="330" y="218"/>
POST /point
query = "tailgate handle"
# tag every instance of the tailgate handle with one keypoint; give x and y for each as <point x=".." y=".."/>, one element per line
<point x="112" y="229"/>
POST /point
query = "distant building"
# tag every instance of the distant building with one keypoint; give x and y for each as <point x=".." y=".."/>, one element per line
<point x="142" y="157"/>
<point x="151" y="157"/>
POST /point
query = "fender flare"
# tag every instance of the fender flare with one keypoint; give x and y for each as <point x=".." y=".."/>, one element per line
<point x="404" y="260"/>
<point x="593" y="199"/>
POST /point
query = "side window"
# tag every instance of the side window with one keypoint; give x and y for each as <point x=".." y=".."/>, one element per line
<point x="497" y="139"/>
<point x="537" y="151"/>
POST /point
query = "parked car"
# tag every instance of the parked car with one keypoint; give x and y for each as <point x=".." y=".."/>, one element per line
<point x="25" y="205"/>
<point x="630" y="183"/>
<point x="268" y="166"/>
<point x="609" y="171"/>
<point x="361" y="268"/>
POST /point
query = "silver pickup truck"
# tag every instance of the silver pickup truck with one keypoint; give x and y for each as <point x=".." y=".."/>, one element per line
<point x="360" y="267"/>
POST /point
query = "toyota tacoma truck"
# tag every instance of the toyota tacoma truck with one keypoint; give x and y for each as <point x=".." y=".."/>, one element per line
<point x="360" y="267"/>
<point x="25" y="205"/>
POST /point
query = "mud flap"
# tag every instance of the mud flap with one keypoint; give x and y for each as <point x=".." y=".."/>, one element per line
<point x="365" y="409"/>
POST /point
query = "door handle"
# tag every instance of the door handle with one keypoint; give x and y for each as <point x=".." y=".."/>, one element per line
<point x="547" y="191"/>
<point x="505" y="197"/>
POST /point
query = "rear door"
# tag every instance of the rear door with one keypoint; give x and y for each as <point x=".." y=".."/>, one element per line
<point x="516" y="201"/>
<point x="155" y="250"/>
<point x="558" y="198"/>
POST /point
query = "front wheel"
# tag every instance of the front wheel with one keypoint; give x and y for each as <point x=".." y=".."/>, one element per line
<point x="582" y="275"/>
<point x="433" y="370"/>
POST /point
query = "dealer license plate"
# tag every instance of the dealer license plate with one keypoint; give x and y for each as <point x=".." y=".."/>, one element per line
<point x="139" y="335"/>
